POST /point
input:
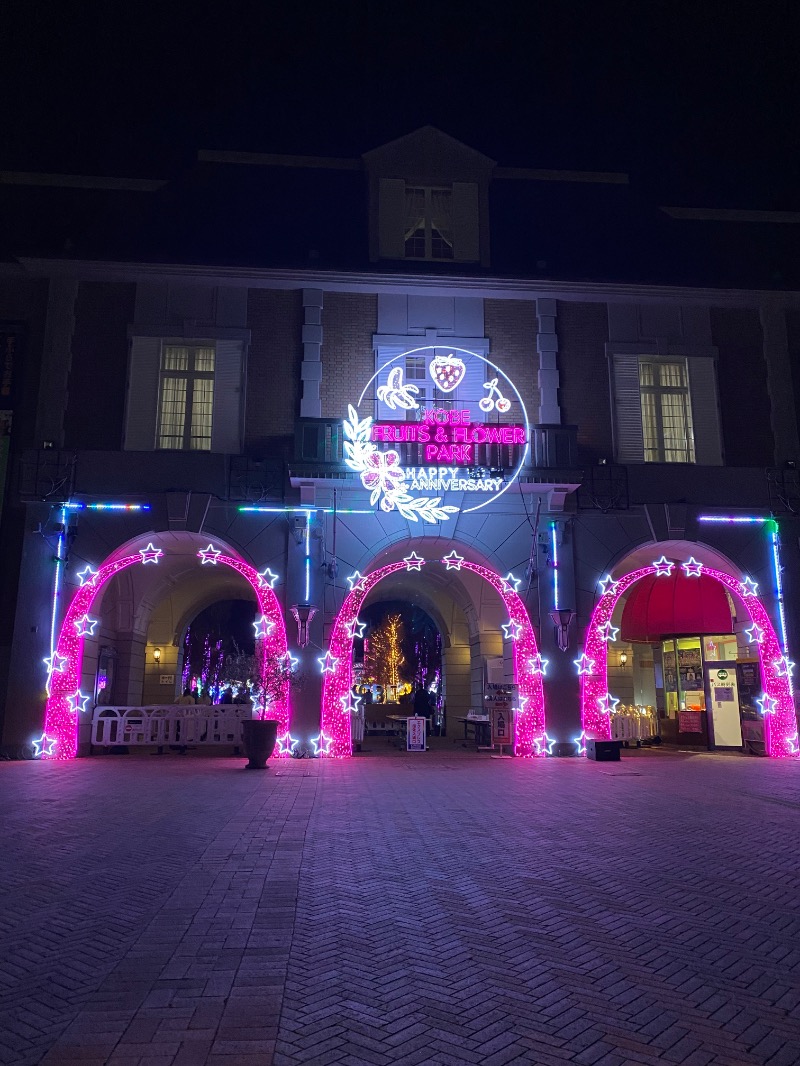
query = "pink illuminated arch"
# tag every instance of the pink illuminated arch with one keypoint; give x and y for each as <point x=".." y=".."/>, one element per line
<point x="335" y="740"/>
<point x="65" y="701"/>
<point x="780" y="723"/>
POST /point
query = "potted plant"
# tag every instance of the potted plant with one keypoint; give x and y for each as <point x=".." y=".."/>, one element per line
<point x="265" y="680"/>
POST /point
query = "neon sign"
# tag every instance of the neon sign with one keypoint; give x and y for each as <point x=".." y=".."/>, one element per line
<point x="437" y="435"/>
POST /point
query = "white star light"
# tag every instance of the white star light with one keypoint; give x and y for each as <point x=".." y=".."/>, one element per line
<point x="767" y="704"/>
<point x="413" y="562"/>
<point x="77" y="701"/>
<point x="607" y="703"/>
<point x="748" y="587"/>
<point x="542" y="742"/>
<point x="794" y="745"/>
<point x="150" y="554"/>
<point x="322" y="744"/>
<point x="608" y="584"/>
<point x="55" y="663"/>
<point x="538" y="666"/>
<point x="44" y="745"/>
<point x="608" y="632"/>
<point x="327" y="663"/>
<point x="512" y="630"/>
<point x="267" y="579"/>
<point x="85" y="626"/>
<point x="263" y="627"/>
<point x="511" y="583"/>
<point x="522" y="700"/>
<point x="87" y="576"/>
<point x="663" y="566"/>
<point x="350" y="704"/>
<point x="691" y="567"/>
<point x="581" y="742"/>
<point x="290" y="660"/>
<point x="287" y="744"/>
<point x="585" y="665"/>
<point x="357" y="582"/>
<point x="209" y="555"/>
<point x="784" y="667"/>
<point x="755" y="633"/>
<point x="453" y="561"/>
<point x="357" y="629"/>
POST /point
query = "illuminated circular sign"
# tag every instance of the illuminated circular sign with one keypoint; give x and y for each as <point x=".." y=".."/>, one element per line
<point x="448" y="444"/>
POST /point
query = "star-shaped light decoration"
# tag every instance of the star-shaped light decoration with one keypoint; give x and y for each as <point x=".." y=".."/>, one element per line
<point x="794" y="744"/>
<point x="357" y="582"/>
<point x="350" y="704"/>
<point x="413" y="562"/>
<point x="512" y="630"/>
<point x="748" y="587"/>
<point x="755" y="633"/>
<point x="263" y="627"/>
<point x="289" y="660"/>
<point x="45" y="745"/>
<point x="77" y="701"/>
<point x="607" y="703"/>
<point x="544" y="742"/>
<point x="608" y="632"/>
<point x="767" y="704"/>
<point x="664" y="566"/>
<point x="357" y="629"/>
<point x="55" y="663"/>
<point x="328" y="663"/>
<point x="209" y="555"/>
<point x="322" y="744"/>
<point x="608" y="584"/>
<point x="538" y="666"/>
<point x="150" y="554"/>
<point x="84" y="626"/>
<point x="521" y="701"/>
<point x="585" y="665"/>
<point x="581" y="743"/>
<point x="691" y="567"/>
<point x="511" y="583"/>
<point x="784" y="667"/>
<point x="286" y="744"/>
<point x="453" y="561"/>
<point x="267" y="579"/>
<point x="87" y="576"/>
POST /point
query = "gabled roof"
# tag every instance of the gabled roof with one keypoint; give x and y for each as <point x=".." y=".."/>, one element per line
<point x="423" y="143"/>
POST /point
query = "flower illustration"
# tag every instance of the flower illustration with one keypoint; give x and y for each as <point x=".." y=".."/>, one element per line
<point x="383" y="474"/>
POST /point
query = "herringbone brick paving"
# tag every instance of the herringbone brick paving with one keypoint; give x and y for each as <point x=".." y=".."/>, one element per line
<point x="397" y="911"/>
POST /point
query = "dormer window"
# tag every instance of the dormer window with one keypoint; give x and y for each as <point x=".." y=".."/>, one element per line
<point x="429" y="223"/>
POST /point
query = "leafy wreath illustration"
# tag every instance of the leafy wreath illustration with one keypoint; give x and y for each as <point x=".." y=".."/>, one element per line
<point x="383" y="475"/>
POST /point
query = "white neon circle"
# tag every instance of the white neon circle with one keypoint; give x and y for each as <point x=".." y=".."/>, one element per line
<point x="494" y="366"/>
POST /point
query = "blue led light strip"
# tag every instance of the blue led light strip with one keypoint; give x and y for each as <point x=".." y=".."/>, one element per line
<point x="80" y="506"/>
<point x="554" y="543"/>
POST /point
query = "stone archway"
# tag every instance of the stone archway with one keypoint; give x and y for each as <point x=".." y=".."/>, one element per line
<point x="65" y="701"/>
<point x="777" y="703"/>
<point x="334" y="739"/>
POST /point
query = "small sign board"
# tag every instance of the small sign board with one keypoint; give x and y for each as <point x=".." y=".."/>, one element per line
<point x="166" y="679"/>
<point x="690" y="722"/>
<point x="500" y="701"/>
<point x="415" y="734"/>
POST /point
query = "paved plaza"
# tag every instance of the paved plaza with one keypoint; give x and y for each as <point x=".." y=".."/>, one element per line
<point x="420" y="909"/>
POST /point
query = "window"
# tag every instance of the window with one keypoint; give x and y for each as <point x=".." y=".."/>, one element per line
<point x="186" y="397"/>
<point x="428" y="226"/>
<point x="667" y="431"/>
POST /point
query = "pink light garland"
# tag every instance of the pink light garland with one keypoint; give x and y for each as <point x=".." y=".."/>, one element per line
<point x="335" y="737"/>
<point x="60" y="737"/>
<point x="780" y="724"/>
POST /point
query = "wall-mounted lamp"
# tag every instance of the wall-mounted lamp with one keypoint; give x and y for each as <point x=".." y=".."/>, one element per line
<point x="562" y="620"/>
<point x="623" y="658"/>
<point x="156" y="655"/>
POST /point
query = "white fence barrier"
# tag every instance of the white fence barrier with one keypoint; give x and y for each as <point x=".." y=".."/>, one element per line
<point x="634" y="724"/>
<point x="165" y="725"/>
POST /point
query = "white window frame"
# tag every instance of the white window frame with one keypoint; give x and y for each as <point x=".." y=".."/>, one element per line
<point x="428" y="191"/>
<point x="190" y="376"/>
<point x="657" y="443"/>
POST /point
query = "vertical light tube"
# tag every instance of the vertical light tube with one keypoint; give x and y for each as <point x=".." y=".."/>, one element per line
<point x="59" y="560"/>
<point x="308" y="555"/>
<point x="554" y="543"/>
<point x="776" y="569"/>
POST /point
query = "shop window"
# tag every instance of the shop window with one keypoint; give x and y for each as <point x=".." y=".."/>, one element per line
<point x="184" y="395"/>
<point x="666" y="410"/>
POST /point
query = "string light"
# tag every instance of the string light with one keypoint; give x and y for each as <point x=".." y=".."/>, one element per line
<point x="780" y="724"/>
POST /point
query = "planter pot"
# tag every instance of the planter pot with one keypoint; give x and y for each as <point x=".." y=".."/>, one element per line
<point x="258" y="738"/>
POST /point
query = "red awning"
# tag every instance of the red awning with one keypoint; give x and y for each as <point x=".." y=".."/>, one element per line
<point x="677" y="605"/>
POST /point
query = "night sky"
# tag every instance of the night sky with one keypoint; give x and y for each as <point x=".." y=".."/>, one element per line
<point x="697" y="101"/>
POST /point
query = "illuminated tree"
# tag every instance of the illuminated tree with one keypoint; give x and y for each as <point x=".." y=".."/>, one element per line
<point x="385" y="656"/>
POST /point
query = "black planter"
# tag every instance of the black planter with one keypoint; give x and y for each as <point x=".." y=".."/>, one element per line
<point x="259" y="737"/>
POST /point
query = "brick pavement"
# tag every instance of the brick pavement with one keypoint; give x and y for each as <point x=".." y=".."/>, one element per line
<point x="398" y="911"/>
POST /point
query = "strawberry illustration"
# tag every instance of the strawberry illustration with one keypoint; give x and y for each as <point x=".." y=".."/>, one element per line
<point x="447" y="371"/>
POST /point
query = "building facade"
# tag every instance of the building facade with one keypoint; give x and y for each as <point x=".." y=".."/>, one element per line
<point x="417" y="376"/>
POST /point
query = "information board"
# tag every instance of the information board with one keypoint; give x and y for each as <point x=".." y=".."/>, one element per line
<point x="415" y="734"/>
